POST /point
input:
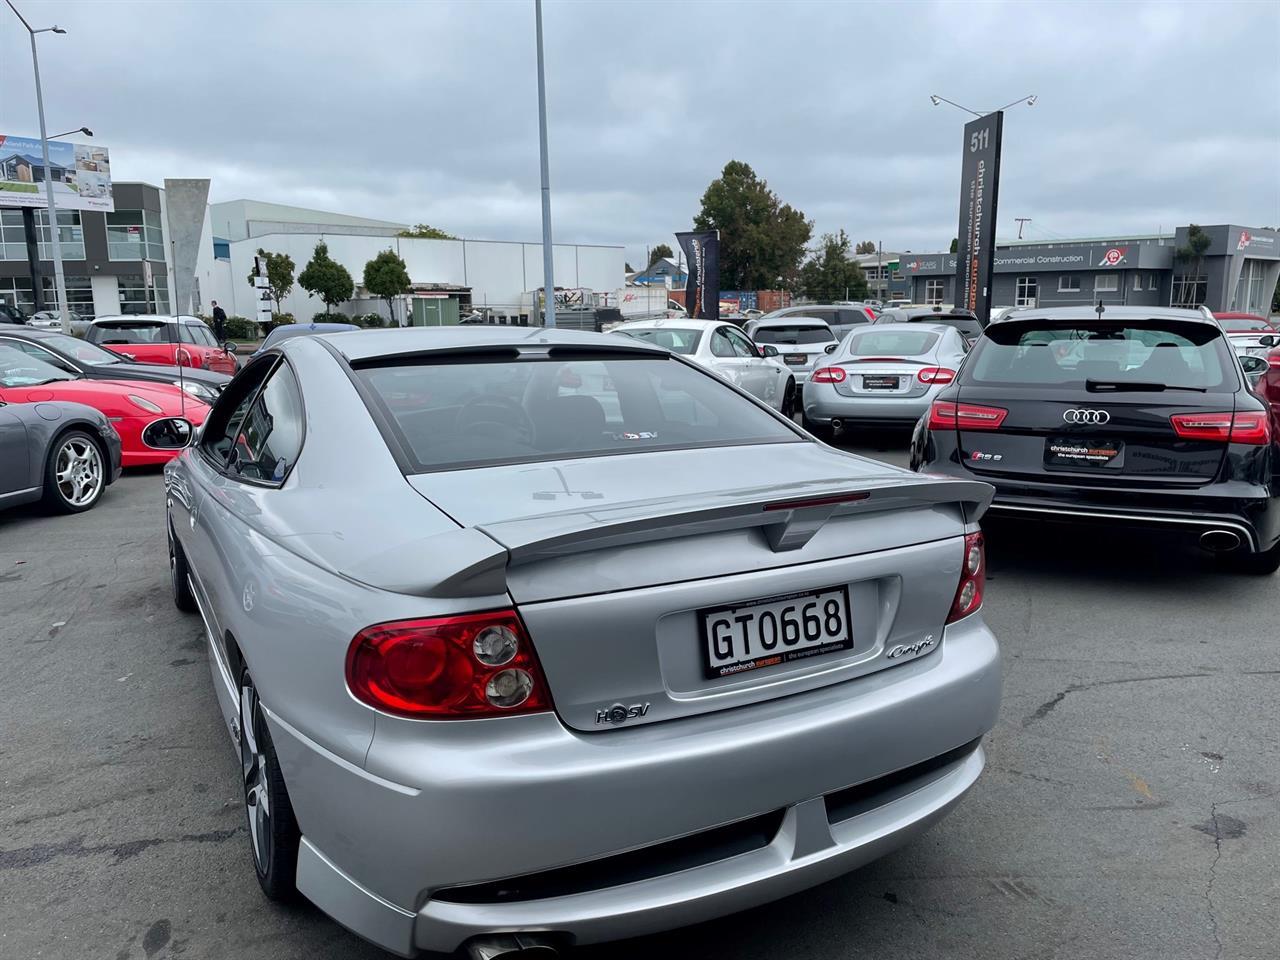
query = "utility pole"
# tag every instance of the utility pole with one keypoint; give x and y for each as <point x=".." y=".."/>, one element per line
<point x="1021" y="221"/>
<point x="548" y="270"/>
<point x="882" y="283"/>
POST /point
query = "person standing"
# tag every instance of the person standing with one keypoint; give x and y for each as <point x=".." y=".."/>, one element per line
<point x="219" y="323"/>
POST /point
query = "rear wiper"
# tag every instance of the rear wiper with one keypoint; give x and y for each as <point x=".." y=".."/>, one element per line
<point x="1135" y="386"/>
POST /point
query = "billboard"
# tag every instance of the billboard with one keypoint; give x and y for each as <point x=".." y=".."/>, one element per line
<point x="979" y="186"/>
<point x="702" y="289"/>
<point x="81" y="174"/>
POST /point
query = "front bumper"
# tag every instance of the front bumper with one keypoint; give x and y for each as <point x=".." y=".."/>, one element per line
<point x="387" y="848"/>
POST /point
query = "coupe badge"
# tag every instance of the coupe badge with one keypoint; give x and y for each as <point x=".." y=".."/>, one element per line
<point x="906" y="649"/>
<point x="1090" y="417"/>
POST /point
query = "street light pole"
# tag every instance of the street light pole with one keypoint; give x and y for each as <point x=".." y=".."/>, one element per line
<point x="548" y="271"/>
<point x="59" y="278"/>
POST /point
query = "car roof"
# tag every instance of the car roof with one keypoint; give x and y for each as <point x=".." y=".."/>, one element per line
<point x="903" y="327"/>
<point x="658" y="323"/>
<point x="1117" y="312"/>
<point x="359" y="345"/>
<point x="1240" y="316"/>
<point x="30" y="333"/>
<point x="148" y="318"/>
<point x="790" y="320"/>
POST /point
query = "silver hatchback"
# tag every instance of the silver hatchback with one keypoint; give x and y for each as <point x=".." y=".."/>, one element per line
<point x="883" y="375"/>
<point x="549" y="637"/>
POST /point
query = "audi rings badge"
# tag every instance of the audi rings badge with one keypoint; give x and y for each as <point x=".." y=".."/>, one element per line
<point x="1087" y="417"/>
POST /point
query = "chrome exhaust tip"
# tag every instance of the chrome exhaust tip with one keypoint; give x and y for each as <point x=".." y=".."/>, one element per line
<point x="511" y="946"/>
<point x="836" y="423"/>
<point x="1220" y="541"/>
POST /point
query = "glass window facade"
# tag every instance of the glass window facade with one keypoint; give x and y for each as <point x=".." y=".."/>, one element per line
<point x="13" y="241"/>
<point x="136" y="298"/>
<point x="17" y="290"/>
<point x="1028" y="292"/>
<point x="134" y="235"/>
<point x="1251" y="295"/>
<point x="933" y="291"/>
<point x="1189" y="291"/>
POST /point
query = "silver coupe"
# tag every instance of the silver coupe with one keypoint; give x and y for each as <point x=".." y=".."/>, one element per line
<point x="528" y="638"/>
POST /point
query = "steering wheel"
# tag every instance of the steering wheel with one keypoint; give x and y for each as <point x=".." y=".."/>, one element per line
<point x="485" y="413"/>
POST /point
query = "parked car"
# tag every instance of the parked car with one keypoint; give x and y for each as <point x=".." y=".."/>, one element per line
<point x="154" y="420"/>
<point x="95" y="363"/>
<point x="52" y="320"/>
<point x="62" y="454"/>
<point x="840" y="317"/>
<point x="882" y="375"/>
<point x="965" y="321"/>
<point x="1138" y="416"/>
<point x="724" y="350"/>
<point x="169" y="340"/>
<point x="801" y="341"/>
<point x="288" y="330"/>
<point x="1246" y="332"/>
<point x="701" y="661"/>
<point x="11" y="314"/>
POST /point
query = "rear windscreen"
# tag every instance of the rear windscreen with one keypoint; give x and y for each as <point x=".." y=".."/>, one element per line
<point x="474" y="412"/>
<point x="793" y="336"/>
<point x="1161" y="353"/>
<point x="677" y="340"/>
<point x="132" y="333"/>
<point x="891" y="343"/>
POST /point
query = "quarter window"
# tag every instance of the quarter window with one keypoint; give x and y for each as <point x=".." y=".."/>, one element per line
<point x="741" y="345"/>
<point x="721" y="346"/>
<point x="269" y="438"/>
<point x="1027" y="292"/>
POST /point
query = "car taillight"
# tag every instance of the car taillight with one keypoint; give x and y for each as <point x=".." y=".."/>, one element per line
<point x="447" y="668"/>
<point x="945" y="415"/>
<point x="828" y="375"/>
<point x="1252" y="428"/>
<point x="973" y="578"/>
<point x="935" y="375"/>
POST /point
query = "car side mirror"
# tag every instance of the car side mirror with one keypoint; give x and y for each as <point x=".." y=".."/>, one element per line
<point x="1268" y="340"/>
<point x="229" y="346"/>
<point x="1254" y="366"/>
<point x="830" y="348"/>
<point x="768" y="350"/>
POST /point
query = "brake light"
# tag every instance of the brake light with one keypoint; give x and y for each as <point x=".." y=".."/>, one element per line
<point x="973" y="578"/>
<point x="447" y="668"/>
<point x="828" y="375"/>
<point x="935" y="375"/>
<point x="1252" y="428"/>
<point x="945" y="415"/>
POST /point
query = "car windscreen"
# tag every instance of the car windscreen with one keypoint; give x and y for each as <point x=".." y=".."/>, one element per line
<point x="19" y="369"/>
<point x="80" y="350"/>
<point x="675" y="339"/>
<point x="484" y="410"/>
<point x="1243" y="324"/>
<point x="1155" y="354"/>
<point x="891" y="343"/>
<point x="129" y="333"/>
<point x="793" y="335"/>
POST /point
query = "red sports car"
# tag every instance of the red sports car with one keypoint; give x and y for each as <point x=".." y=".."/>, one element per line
<point x="154" y="420"/>
<point x="1245" y="331"/>
<point x="171" y="340"/>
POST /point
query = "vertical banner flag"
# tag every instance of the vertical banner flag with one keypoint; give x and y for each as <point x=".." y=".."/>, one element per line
<point x="702" y="290"/>
<point x="979" y="185"/>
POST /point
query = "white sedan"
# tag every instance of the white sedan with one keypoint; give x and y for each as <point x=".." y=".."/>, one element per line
<point x="724" y="350"/>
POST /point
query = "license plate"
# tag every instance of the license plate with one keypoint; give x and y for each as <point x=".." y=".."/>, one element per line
<point x="1083" y="453"/>
<point x="775" y="630"/>
<point x="795" y="359"/>
<point x="880" y="383"/>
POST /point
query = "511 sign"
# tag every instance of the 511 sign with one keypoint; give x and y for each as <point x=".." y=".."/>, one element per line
<point x="976" y="236"/>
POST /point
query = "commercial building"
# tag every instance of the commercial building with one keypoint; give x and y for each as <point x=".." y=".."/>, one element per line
<point x="1238" y="271"/>
<point x="885" y="280"/>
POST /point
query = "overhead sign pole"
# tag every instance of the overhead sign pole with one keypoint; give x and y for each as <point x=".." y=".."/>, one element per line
<point x="979" y="192"/>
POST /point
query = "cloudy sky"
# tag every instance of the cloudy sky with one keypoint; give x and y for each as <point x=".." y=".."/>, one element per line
<point x="1149" y="115"/>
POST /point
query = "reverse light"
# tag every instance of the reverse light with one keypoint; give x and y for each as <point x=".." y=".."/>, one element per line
<point x="144" y="404"/>
<point x="973" y="578"/>
<point x="945" y="415"/>
<point x="1250" y="428"/>
<point x="448" y="668"/>
<point x="936" y="375"/>
<point x="828" y="375"/>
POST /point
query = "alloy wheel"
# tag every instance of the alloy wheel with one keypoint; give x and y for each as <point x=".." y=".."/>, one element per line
<point x="253" y="766"/>
<point x="78" y="471"/>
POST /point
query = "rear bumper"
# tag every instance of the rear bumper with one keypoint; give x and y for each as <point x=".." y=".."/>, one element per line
<point x="824" y="405"/>
<point x="435" y="818"/>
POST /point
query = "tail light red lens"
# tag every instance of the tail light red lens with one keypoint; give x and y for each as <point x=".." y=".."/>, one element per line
<point x="973" y="578"/>
<point x="935" y="375"/>
<point x="448" y="668"/>
<point x="945" y="415"/>
<point x="1252" y="427"/>
<point x="828" y="375"/>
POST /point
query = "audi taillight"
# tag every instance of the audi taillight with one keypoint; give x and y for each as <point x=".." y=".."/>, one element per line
<point x="828" y="375"/>
<point x="945" y="415"/>
<point x="1251" y="428"/>
<point x="448" y="668"/>
<point x="935" y="375"/>
<point x="973" y="578"/>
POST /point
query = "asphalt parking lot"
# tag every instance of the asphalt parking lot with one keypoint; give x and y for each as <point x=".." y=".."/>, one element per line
<point x="1129" y="808"/>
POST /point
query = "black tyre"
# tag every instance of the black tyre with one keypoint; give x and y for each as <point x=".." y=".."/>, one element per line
<point x="1257" y="564"/>
<point x="183" y="599"/>
<point x="74" y="473"/>
<point x="789" y="400"/>
<point x="273" y="829"/>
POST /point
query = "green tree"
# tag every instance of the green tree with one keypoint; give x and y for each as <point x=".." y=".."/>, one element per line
<point x="279" y="275"/>
<point x="830" y="275"/>
<point x="866" y="246"/>
<point x="424" y="231"/>
<point x="627" y="268"/>
<point x="1192" y="252"/>
<point x="955" y="245"/>
<point x="660" y="251"/>
<point x="386" y="276"/>
<point x="762" y="239"/>
<point x="326" y="278"/>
